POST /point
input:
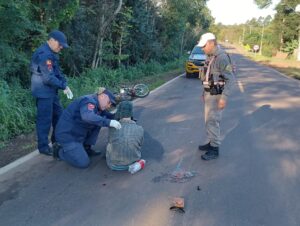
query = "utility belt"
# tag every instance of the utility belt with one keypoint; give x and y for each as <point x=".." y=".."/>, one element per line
<point x="213" y="87"/>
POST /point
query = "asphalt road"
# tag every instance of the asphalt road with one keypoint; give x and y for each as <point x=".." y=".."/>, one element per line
<point x="254" y="182"/>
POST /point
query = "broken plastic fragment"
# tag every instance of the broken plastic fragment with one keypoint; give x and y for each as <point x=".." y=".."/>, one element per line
<point x="177" y="204"/>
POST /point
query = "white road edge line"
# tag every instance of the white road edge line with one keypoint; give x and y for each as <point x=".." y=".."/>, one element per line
<point x="241" y="87"/>
<point x="165" y="84"/>
<point x="278" y="72"/>
<point x="35" y="153"/>
<point x="18" y="162"/>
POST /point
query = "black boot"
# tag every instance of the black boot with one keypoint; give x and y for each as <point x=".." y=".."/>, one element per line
<point x="213" y="153"/>
<point x="90" y="151"/>
<point x="48" y="151"/>
<point x="55" y="148"/>
<point x="205" y="147"/>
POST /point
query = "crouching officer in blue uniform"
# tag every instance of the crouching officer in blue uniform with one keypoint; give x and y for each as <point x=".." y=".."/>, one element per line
<point x="79" y="126"/>
<point x="46" y="80"/>
<point x="217" y="82"/>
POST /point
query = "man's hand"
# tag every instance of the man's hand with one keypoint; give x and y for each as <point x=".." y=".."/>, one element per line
<point x="68" y="92"/>
<point x="221" y="104"/>
<point x="115" y="124"/>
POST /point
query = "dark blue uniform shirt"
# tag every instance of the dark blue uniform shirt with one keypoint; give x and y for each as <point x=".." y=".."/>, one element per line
<point x="80" y="119"/>
<point x="46" y="75"/>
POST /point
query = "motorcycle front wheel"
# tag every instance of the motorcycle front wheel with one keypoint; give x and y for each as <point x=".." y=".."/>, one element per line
<point x="141" y="90"/>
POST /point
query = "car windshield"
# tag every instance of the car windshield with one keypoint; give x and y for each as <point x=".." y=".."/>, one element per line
<point x="197" y="50"/>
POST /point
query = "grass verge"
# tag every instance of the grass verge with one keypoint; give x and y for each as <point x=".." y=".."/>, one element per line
<point x="285" y="66"/>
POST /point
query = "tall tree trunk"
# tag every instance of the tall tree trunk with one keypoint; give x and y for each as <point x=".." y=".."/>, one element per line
<point x="99" y="43"/>
<point x="96" y="51"/>
<point x="105" y="21"/>
<point x="120" y="48"/>
<point x="182" y="43"/>
<point x="100" y="54"/>
<point x="281" y="36"/>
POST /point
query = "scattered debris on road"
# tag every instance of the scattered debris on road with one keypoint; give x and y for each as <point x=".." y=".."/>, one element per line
<point x="179" y="175"/>
<point x="177" y="204"/>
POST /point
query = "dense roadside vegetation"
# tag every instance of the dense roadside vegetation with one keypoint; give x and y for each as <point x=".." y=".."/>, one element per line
<point x="275" y="36"/>
<point x="289" y="67"/>
<point x="112" y="42"/>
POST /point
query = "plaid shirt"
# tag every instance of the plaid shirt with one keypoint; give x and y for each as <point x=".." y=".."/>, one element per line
<point x="124" y="145"/>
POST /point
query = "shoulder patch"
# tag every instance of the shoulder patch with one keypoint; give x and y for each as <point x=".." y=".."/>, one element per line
<point x="49" y="65"/>
<point x="91" y="107"/>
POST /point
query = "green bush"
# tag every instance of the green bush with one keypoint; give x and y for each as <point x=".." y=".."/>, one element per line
<point x="17" y="110"/>
<point x="289" y="47"/>
<point x="268" y="51"/>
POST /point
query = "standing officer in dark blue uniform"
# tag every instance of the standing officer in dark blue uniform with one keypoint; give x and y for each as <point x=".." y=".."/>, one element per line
<point x="45" y="81"/>
<point x="80" y="124"/>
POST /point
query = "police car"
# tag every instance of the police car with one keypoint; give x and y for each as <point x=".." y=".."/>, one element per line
<point x="196" y="60"/>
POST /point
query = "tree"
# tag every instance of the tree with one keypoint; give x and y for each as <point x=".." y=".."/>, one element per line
<point x="263" y="3"/>
<point x="15" y="42"/>
<point x="121" y="30"/>
<point x="105" y="13"/>
<point x="53" y="13"/>
<point x="182" y="17"/>
<point x="286" y="22"/>
<point x="144" y="32"/>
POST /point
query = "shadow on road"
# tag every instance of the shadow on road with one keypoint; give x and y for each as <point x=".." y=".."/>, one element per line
<point x="152" y="149"/>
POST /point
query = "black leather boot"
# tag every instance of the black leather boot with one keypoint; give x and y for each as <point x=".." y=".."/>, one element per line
<point x="213" y="153"/>
<point x="205" y="147"/>
<point x="56" y="147"/>
<point x="90" y="151"/>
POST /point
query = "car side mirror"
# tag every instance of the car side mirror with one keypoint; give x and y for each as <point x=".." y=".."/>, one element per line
<point x="189" y="52"/>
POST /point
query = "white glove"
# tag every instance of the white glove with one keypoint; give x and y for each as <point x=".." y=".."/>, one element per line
<point x="115" y="124"/>
<point x="68" y="92"/>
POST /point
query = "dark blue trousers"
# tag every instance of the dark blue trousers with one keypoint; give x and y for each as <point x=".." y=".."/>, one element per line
<point x="73" y="152"/>
<point x="48" y="112"/>
<point x="92" y="136"/>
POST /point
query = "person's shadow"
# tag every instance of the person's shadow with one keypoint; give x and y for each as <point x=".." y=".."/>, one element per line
<point x="152" y="149"/>
<point x="249" y="122"/>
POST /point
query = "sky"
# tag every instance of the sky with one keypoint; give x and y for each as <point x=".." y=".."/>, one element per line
<point x="229" y="12"/>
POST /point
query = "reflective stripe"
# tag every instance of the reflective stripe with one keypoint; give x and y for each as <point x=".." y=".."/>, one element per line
<point x="208" y="69"/>
<point x="221" y="83"/>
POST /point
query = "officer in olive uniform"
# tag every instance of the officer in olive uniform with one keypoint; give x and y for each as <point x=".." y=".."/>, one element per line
<point x="46" y="80"/>
<point x="80" y="124"/>
<point x="217" y="82"/>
